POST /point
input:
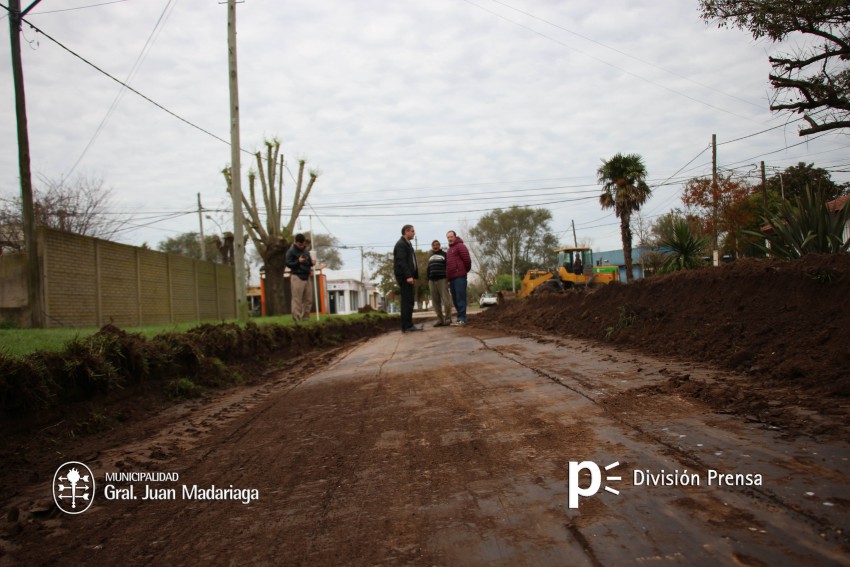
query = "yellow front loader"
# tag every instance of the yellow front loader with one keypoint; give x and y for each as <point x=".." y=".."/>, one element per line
<point x="575" y="269"/>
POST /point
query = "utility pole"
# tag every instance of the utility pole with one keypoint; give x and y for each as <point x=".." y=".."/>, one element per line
<point x="201" y="221"/>
<point x="575" y="239"/>
<point x="763" y="187"/>
<point x="716" y="254"/>
<point x="236" y="175"/>
<point x="365" y="297"/>
<point x="34" y="299"/>
<point x="315" y="256"/>
<point x="513" y="262"/>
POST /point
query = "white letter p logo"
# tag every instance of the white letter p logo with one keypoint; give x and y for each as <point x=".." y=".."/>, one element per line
<point x="574" y="490"/>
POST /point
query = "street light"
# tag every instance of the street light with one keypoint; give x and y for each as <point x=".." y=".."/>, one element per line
<point x="216" y="223"/>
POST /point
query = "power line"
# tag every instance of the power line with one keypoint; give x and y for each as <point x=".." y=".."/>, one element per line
<point x="635" y="75"/>
<point x="77" y="8"/>
<point x="136" y="65"/>
<point x="629" y="55"/>
<point x="128" y="87"/>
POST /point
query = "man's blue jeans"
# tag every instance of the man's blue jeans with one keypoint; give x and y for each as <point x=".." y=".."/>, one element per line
<point x="458" y="288"/>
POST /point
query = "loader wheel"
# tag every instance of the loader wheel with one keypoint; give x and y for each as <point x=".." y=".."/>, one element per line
<point x="551" y="286"/>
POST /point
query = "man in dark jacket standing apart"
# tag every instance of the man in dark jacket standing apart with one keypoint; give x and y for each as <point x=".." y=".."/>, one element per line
<point x="439" y="286"/>
<point x="458" y="264"/>
<point x="406" y="272"/>
<point x="300" y="263"/>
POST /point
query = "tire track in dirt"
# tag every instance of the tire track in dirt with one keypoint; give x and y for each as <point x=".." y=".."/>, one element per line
<point x="687" y="458"/>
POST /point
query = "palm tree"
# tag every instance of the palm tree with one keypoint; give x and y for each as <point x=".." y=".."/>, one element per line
<point x="624" y="189"/>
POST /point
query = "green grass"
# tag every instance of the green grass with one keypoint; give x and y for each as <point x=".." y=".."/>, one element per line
<point x="21" y="342"/>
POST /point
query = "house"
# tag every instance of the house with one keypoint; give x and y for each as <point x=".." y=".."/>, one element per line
<point x="836" y="206"/>
<point x="617" y="258"/>
<point x="346" y="293"/>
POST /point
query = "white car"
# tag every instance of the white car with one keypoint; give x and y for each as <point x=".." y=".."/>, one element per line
<point x="488" y="299"/>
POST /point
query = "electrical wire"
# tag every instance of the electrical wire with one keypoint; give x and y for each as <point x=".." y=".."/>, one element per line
<point x="128" y="87"/>
<point x="626" y="54"/>
<point x="77" y="8"/>
<point x="136" y="65"/>
<point x="621" y="69"/>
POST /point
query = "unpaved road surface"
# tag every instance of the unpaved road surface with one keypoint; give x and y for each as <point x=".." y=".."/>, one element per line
<point x="453" y="447"/>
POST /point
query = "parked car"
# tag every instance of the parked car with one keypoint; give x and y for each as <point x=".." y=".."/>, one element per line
<point x="488" y="299"/>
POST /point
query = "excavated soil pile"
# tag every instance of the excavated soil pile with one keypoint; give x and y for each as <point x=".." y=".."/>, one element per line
<point x="784" y="324"/>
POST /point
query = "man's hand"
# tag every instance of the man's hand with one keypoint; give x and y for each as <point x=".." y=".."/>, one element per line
<point x="411" y="281"/>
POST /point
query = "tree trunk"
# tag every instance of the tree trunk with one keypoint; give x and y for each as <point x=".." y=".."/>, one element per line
<point x="278" y="295"/>
<point x="626" y="234"/>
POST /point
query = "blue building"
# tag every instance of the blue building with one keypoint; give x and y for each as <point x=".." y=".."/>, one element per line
<point x="617" y="258"/>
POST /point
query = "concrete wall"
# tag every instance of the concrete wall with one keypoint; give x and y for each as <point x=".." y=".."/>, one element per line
<point x="13" y="290"/>
<point x="92" y="282"/>
<point x="13" y="280"/>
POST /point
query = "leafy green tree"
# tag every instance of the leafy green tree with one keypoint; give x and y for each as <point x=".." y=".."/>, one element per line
<point x="189" y="244"/>
<point x="813" y="81"/>
<point x="505" y="282"/>
<point x="624" y="189"/>
<point x="521" y="231"/>
<point x="793" y="182"/>
<point x="327" y="249"/>
<point x="382" y="272"/>
<point x="684" y="248"/>
<point x="805" y="225"/>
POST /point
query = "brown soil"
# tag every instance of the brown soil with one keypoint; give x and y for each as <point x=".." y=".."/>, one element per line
<point x="451" y="446"/>
<point x="783" y="324"/>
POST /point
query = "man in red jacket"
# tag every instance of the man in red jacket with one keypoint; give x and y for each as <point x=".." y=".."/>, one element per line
<point x="458" y="264"/>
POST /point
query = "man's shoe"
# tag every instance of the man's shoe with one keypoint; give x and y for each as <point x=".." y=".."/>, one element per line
<point x="439" y="324"/>
<point x="415" y="328"/>
<point x="459" y="324"/>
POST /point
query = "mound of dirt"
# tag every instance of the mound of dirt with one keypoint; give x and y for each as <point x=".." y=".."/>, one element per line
<point x="783" y="323"/>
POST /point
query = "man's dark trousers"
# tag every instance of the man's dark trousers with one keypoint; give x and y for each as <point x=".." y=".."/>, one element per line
<point x="407" y="300"/>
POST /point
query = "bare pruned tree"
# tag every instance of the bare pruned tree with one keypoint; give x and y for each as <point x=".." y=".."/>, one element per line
<point x="80" y="205"/>
<point x="264" y="218"/>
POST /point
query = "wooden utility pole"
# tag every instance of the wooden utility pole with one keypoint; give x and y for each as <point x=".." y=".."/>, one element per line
<point x="763" y="186"/>
<point x="236" y="166"/>
<point x="201" y="222"/>
<point x="575" y="238"/>
<point x="34" y="298"/>
<point x="716" y="254"/>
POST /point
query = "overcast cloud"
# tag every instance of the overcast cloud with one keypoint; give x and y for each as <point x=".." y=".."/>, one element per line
<point x="411" y="104"/>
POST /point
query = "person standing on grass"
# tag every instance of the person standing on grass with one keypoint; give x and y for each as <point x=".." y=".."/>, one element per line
<point x="406" y="272"/>
<point x="439" y="285"/>
<point x="458" y="264"/>
<point x="300" y="264"/>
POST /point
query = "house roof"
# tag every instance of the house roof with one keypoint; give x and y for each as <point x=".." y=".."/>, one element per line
<point x="838" y="203"/>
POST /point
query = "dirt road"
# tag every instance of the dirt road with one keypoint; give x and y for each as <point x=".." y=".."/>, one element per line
<point x="453" y="447"/>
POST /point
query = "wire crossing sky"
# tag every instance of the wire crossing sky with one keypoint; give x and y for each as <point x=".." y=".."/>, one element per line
<point x="433" y="113"/>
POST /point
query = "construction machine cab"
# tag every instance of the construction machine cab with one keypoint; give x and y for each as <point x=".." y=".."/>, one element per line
<point x="576" y="261"/>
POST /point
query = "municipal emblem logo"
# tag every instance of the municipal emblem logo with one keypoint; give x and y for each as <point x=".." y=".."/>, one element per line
<point x="73" y="487"/>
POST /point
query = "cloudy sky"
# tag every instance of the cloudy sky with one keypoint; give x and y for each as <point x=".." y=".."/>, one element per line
<point x="431" y="112"/>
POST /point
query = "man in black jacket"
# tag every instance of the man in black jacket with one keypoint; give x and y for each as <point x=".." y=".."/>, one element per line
<point x="300" y="263"/>
<point x="406" y="272"/>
